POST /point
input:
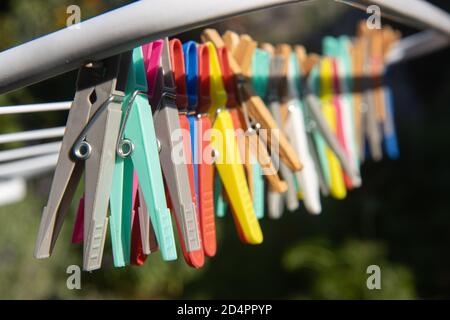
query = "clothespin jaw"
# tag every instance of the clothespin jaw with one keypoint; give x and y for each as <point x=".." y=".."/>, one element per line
<point x="175" y="173"/>
<point x="256" y="108"/>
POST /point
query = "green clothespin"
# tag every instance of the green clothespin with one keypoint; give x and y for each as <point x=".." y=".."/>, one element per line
<point x="138" y="150"/>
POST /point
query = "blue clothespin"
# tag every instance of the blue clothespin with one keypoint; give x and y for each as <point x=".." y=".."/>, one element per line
<point x="191" y="68"/>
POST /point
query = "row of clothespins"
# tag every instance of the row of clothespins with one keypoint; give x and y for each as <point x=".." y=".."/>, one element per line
<point x="306" y="115"/>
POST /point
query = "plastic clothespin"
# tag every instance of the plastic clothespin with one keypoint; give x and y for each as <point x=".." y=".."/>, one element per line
<point x="256" y="107"/>
<point x="324" y="136"/>
<point x="356" y="52"/>
<point x="216" y="85"/>
<point x="320" y="144"/>
<point x="138" y="147"/>
<point x="370" y="114"/>
<point x="306" y="64"/>
<point x="89" y="143"/>
<point x="179" y="74"/>
<point x="256" y="143"/>
<point x="296" y="124"/>
<point x="242" y="137"/>
<point x="337" y="184"/>
<point x="345" y="75"/>
<point x="204" y="103"/>
<point x="191" y="73"/>
<point x="227" y="160"/>
<point x="390" y="136"/>
<point x="276" y="201"/>
<point x="342" y="103"/>
<point x="174" y="168"/>
<point x="200" y="125"/>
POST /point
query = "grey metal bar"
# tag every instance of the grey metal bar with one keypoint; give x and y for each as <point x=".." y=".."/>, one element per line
<point x="416" y="46"/>
<point x="112" y="33"/>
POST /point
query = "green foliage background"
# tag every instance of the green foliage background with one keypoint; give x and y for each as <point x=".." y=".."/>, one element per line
<point x="397" y="220"/>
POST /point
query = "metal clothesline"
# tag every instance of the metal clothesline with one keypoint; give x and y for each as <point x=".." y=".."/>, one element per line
<point x="144" y="21"/>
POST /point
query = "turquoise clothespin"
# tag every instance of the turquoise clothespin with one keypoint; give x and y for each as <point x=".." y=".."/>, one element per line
<point x="347" y="89"/>
<point x="139" y="149"/>
<point x="260" y="83"/>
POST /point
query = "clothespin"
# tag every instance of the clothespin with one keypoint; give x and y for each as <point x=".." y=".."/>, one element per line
<point x="313" y="84"/>
<point x="257" y="109"/>
<point x="179" y="74"/>
<point x="389" y="130"/>
<point x="227" y="160"/>
<point x="204" y="74"/>
<point x="239" y="117"/>
<point x="89" y="143"/>
<point x="260" y="81"/>
<point x="370" y="116"/>
<point x="138" y="143"/>
<point x="337" y="184"/>
<point x="175" y="171"/>
<point x="344" y="115"/>
<point x="357" y="56"/>
<point x="296" y="124"/>
<point x="276" y="200"/>
<point x="256" y="143"/>
<point x="316" y="141"/>
<point x="327" y="137"/>
<point x="200" y="126"/>
<point x="344" y="53"/>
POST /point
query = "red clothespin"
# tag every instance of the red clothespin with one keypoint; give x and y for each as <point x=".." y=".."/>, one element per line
<point x="339" y="127"/>
<point x="179" y="73"/>
<point x="205" y="169"/>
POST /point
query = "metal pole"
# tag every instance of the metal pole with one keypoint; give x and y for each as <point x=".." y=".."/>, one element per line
<point x="29" y="167"/>
<point x="40" y="107"/>
<point x="416" y="46"/>
<point x="32" y="135"/>
<point x="32" y="151"/>
<point x="112" y="33"/>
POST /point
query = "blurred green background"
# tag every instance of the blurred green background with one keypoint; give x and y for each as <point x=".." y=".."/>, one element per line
<point x="398" y="220"/>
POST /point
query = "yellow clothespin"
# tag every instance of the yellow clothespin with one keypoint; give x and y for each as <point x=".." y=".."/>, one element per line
<point x="337" y="184"/>
<point x="227" y="158"/>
